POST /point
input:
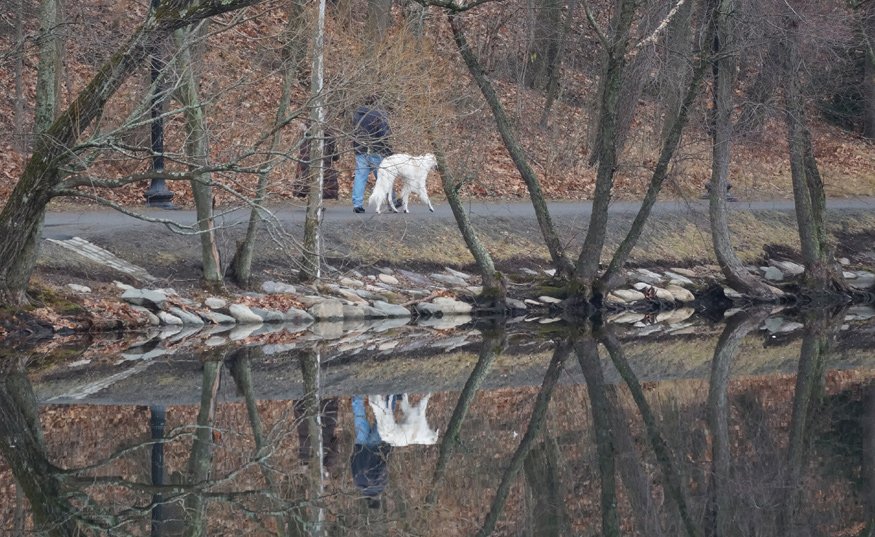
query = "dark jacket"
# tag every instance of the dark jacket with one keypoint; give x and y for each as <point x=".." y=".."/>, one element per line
<point x="371" y="132"/>
<point x="369" y="471"/>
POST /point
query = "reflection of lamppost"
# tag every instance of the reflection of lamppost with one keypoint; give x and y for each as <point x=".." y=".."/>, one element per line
<point x="158" y="194"/>
<point x="157" y="419"/>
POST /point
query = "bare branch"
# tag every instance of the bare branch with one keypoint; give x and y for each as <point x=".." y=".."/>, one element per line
<point x="595" y="26"/>
<point x="662" y="26"/>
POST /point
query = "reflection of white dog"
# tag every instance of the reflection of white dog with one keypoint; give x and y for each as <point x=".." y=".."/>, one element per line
<point x="412" y="170"/>
<point x="411" y="429"/>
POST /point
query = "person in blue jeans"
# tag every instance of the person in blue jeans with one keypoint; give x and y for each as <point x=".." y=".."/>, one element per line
<point x="369" y="455"/>
<point x="370" y="143"/>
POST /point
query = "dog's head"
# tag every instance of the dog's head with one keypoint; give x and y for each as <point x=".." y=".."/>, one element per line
<point x="429" y="161"/>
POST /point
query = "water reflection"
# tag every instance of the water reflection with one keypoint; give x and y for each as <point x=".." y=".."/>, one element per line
<point x="586" y="430"/>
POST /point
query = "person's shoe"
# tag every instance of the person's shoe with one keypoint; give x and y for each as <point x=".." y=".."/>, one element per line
<point x="358" y="209"/>
<point x="399" y="203"/>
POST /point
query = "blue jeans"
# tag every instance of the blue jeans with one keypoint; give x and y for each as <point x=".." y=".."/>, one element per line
<point x="365" y="433"/>
<point x="364" y="165"/>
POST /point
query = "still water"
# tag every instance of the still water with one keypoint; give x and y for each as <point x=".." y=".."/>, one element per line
<point x="752" y="426"/>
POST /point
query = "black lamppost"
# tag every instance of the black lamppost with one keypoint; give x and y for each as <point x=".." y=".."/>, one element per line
<point x="158" y="194"/>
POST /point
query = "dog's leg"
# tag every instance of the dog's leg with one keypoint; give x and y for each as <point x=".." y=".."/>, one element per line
<point x="405" y="196"/>
<point x="423" y="195"/>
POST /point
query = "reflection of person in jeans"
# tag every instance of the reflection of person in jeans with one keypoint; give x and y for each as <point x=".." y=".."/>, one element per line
<point x="369" y="456"/>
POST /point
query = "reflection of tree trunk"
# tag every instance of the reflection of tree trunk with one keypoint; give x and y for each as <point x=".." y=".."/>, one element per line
<point x="868" y="467"/>
<point x="157" y="421"/>
<point x="548" y="231"/>
<point x="494" y="292"/>
<point x="588" y="356"/>
<point x="536" y="421"/>
<point x="310" y="520"/>
<point x="494" y="341"/>
<point x="806" y="397"/>
<point x="657" y="441"/>
<point x="201" y="458"/>
<point x="543" y="476"/>
<point x="725" y="352"/>
<point x="241" y="371"/>
<point x="23" y="448"/>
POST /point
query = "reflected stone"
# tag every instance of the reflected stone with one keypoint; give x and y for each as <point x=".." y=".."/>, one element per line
<point x="168" y="319"/>
<point x="327" y="329"/>
<point x="216" y="341"/>
<point x="243" y="331"/>
<point x="626" y="317"/>
<point x="169" y="331"/>
<point x="674" y="316"/>
<point x="131" y="354"/>
<point x="444" y="323"/>
<point x="389" y="324"/>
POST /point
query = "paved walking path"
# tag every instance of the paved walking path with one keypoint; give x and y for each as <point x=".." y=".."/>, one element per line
<point x="62" y="225"/>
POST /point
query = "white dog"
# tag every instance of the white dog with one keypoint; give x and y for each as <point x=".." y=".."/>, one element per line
<point x="411" y="429"/>
<point x="412" y="170"/>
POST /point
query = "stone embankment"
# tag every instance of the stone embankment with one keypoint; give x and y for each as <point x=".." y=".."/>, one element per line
<point x="401" y="295"/>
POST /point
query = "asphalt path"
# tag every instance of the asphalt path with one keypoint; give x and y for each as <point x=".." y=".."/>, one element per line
<point x="90" y="221"/>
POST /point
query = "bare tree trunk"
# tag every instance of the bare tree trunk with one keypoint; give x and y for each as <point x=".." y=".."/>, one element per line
<point x="821" y="274"/>
<point x="867" y="23"/>
<point x="543" y="45"/>
<point x="554" y="71"/>
<point x="18" y="117"/>
<point x="548" y="231"/>
<point x="674" y="77"/>
<point x="197" y="149"/>
<point x="544" y="476"/>
<point x="494" y="292"/>
<point x="49" y="70"/>
<point x="312" y="255"/>
<point x="240" y="268"/>
<point x="606" y="148"/>
<point x="724" y="56"/>
<point x="22" y="216"/>
<point x="613" y="275"/>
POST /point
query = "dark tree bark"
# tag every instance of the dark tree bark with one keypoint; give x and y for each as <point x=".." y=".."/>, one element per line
<point x="719" y="498"/>
<point x="536" y="422"/>
<point x="240" y="269"/>
<point x="587" y="265"/>
<point x="544" y="477"/>
<point x="543" y="47"/>
<point x="866" y="14"/>
<point x="494" y="292"/>
<point x="548" y="231"/>
<point x="724" y="52"/>
<point x="554" y="68"/>
<point x="822" y="277"/>
<point x="657" y="441"/>
<point x="23" y="449"/>
<point x="588" y="356"/>
<point x="613" y="276"/>
<point x="494" y="342"/>
<point x="197" y="150"/>
<point x="18" y="114"/>
<point x="21" y="218"/>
